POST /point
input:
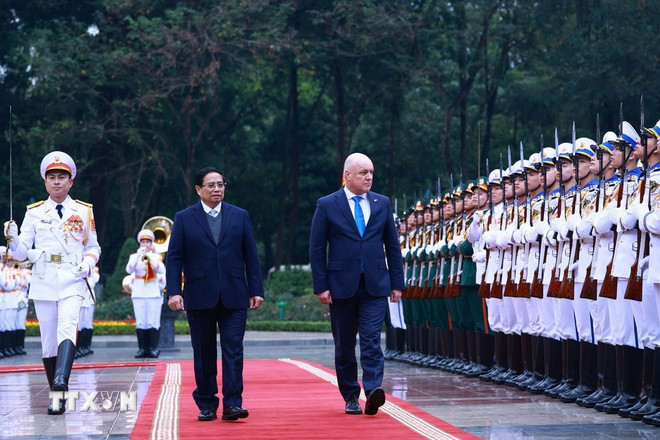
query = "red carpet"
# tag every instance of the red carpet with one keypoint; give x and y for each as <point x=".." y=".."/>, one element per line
<point x="287" y="399"/>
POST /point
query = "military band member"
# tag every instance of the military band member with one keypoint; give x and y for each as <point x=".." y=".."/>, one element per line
<point x="145" y="266"/>
<point x="7" y="287"/>
<point x="58" y="236"/>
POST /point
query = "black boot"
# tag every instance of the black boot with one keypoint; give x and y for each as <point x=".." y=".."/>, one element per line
<point x="588" y="374"/>
<point x="49" y="367"/>
<point x="652" y="406"/>
<point x="6" y="344"/>
<point x="143" y="341"/>
<point x="514" y="357"/>
<point x="552" y="367"/>
<point x="647" y="380"/>
<point x="79" y="345"/>
<point x="537" y="365"/>
<point x="20" y="342"/>
<point x="90" y="333"/>
<point x="631" y="380"/>
<point x="570" y="366"/>
<point x="65" y="353"/>
<point x="527" y="360"/>
<point x="499" y="358"/>
<point x="606" y="358"/>
<point x="154" y="339"/>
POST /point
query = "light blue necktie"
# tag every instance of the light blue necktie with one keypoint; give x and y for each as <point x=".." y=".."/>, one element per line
<point x="359" y="215"/>
<point x="213" y="213"/>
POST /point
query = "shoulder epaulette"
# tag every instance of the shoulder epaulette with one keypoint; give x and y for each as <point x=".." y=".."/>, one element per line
<point x="89" y="205"/>
<point x="35" y="204"/>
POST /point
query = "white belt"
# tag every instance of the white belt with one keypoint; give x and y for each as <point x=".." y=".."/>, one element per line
<point x="57" y="258"/>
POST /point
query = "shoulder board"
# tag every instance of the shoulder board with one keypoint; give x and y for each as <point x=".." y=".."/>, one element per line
<point x="89" y="205"/>
<point x="35" y="204"/>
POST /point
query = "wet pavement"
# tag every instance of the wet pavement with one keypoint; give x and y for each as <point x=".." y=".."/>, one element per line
<point x="483" y="409"/>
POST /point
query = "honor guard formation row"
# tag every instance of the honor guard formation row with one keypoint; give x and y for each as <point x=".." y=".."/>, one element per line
<point x="543" y="275"/>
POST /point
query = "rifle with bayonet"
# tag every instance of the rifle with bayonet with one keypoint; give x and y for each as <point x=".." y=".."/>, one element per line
<point x="484" y="288"/>
<point x="523" y="286"/>
<point x="496" y="290"/>
<point x="567" y="288"/>
<point x="590" y="286"/>
<point x="510" y="286"/>
<point x="609" y="286"/>
<point x="536" y="290"/>
<point x="555" y="282"/>
<point x="456" y="289"/>
<point x="634" y="287"/>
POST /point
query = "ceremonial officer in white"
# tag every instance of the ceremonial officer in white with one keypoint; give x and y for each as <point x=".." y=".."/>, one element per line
<point x="146" y="267"/>
<point x="58" y="236"/>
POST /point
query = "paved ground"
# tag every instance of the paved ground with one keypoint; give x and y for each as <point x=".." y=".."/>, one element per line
<point x="486" y="410"/>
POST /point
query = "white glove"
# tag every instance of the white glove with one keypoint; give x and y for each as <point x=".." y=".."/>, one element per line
<point x="557" y="223"/>
<point x="563" y="233"/>
<point x="490" y="239"/>
<point x="524" y="229"/>
<point x="531" y="234"/>
<point x="549" y="240"/>
<point x="615" y="215"/>
<point x="583" y="228"/>
<point x="628" y="218"/>
<point x="517" y="236"/>
<point x="572" y="221"/>
<point x="84" y="269"/>
<point x="502" y="241"/>
<point x="541" y="227"/>
<point x="479" y="257"/>
<point x="11" y="234"/>
<point x="602" y="222"/>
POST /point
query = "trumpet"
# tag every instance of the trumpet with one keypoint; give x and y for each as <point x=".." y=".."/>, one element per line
<point x="145" y="258"/>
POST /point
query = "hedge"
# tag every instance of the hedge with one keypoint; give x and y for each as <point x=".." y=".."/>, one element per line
<point x="181" y="327"/>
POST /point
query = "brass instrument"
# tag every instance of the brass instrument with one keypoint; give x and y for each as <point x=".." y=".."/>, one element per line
<point x="145" y="258"/>
<point x="162" y="229"/>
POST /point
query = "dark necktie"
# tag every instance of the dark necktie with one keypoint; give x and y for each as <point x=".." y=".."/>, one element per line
<point x="59" y="210"/>
<point x="359" y="215"/>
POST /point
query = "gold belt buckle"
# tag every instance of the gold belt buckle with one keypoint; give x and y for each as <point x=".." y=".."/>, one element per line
<point x="55" y="258"/>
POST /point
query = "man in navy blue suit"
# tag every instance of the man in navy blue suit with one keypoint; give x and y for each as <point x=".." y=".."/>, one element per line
<point x="356" y="265"/>
<point x="212" y="246"/>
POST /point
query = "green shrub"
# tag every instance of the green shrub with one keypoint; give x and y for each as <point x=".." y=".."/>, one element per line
<point x="112" y="289"/>
<point x="118" y="309"/>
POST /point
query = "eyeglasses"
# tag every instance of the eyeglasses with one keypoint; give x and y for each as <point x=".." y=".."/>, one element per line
<point x="213" y="185"/>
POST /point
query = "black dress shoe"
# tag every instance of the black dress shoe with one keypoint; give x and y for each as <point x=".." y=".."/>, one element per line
<point x="352" y="406"/>
<point x="375" y="399"/>
<point x="53" y="411"/>
<point x="207" y="414"/>
<point x="234" y="413"/>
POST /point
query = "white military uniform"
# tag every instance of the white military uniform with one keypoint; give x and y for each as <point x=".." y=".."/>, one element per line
<point x="146" y="284"/>
<point x="63" y="252"/>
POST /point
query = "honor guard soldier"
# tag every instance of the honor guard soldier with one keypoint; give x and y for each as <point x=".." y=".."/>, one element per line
<point x="58" y="236"/>
<point x="7" y="286"/>
<point x="145" y="266"/>
<point x="647" y="212"/>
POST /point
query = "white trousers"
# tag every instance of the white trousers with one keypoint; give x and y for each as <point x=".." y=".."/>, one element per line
<point x="582" y="315"/>
<point x="622" y="320"/>
<point x="547" y="315"/>
<point x="645" y="313"/>
<point x="147" y="312"/>
<point x="58" y="321"/>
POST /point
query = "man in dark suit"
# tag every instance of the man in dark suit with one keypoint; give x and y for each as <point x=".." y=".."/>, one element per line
<point x="213" y="248"/>
<point x="356" y="265"/>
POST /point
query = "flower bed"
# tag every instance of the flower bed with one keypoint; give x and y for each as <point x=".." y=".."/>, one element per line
<point x="127" y="327"/>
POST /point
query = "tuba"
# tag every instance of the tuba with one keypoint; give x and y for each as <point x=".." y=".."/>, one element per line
<point x="162" y="229"/>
